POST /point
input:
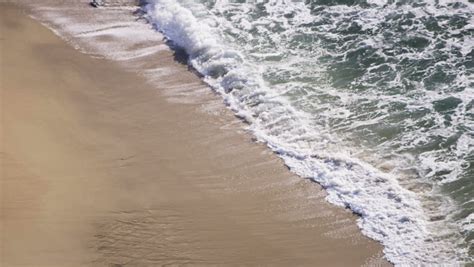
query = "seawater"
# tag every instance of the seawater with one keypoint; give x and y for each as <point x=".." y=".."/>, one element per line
<point x="373" y="99"/>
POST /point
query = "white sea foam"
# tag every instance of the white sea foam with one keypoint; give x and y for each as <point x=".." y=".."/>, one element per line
<point x="389" y="212"/>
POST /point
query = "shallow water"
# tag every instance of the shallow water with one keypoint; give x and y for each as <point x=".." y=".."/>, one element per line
<point x="372" y="99"/>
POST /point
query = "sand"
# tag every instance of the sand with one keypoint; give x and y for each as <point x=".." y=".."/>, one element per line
<point x="99" y="169"/>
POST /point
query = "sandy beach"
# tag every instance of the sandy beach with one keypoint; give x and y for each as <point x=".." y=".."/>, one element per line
<point x="99" y="169"/>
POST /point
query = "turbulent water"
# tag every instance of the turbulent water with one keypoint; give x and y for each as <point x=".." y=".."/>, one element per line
<point x="373" y="99"/>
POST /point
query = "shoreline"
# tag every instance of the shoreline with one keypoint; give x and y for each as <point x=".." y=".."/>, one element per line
<point x="120" y="174"/>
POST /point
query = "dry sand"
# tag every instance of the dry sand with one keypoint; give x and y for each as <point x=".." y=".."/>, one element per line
<point x="98" y="169"/>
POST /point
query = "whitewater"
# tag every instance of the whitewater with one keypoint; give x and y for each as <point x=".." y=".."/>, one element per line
<point x="330" y="87"/>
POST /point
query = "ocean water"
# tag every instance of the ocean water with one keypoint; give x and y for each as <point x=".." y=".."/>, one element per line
<point x="372" y="99"/>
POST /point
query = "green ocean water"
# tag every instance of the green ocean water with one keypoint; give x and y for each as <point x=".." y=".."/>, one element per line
<point x="385" y="88"/>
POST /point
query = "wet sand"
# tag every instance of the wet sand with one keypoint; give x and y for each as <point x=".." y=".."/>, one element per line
<point x="99" y="169"/>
